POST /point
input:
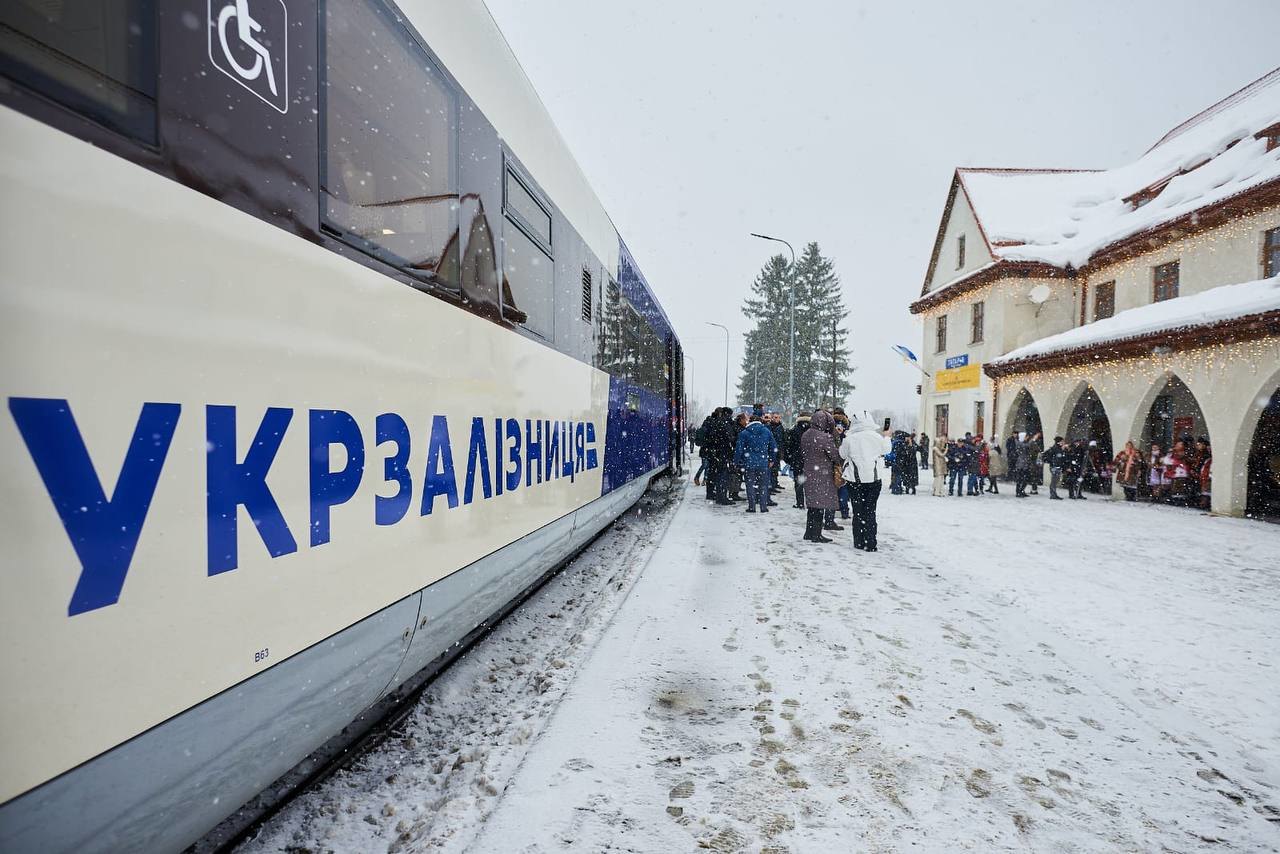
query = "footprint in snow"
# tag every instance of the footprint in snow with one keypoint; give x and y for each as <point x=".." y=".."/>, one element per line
<point x="1027" y="718"/>
<point x="980" y="724"/>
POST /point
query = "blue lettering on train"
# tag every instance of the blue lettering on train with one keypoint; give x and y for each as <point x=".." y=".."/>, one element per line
<point x="104" y="532"/>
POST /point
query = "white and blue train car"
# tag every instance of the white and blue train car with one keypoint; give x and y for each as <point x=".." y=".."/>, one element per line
<point x="318" y="352"/>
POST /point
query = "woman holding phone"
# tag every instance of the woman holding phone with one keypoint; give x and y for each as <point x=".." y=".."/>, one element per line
<point x="863" y="451"/>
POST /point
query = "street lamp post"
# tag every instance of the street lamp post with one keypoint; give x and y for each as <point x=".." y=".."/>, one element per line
<point x="726" y="359"/>
<point x="791" y="355"/>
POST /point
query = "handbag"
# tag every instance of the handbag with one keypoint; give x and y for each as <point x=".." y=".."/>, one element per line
<point x="839" y="476"/>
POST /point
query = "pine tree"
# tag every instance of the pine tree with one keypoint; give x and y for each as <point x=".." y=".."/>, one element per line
<point x="819" y="329"/>
<point x="764" y="361"/>
<point x="822" y="351"/>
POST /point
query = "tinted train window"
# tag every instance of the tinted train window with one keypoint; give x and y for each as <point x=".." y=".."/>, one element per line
<point x="629" y="347"/>
<point x="527" y="210"/>
<point x="97" y="57"/>
<point x="528" y="281"/>
<point x="528" y="270"/>
<point x="390" y="143"/>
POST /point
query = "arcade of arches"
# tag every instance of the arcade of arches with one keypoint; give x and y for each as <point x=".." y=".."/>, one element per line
<point x="1184" y="395"/>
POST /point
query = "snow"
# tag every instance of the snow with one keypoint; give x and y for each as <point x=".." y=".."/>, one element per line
<point x="1063" y="217"/>
<point x="1212" y="306"/>
<point x="1002" y="674"/>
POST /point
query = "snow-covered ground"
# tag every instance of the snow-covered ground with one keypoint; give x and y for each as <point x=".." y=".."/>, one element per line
<point x="1001" y="675"/>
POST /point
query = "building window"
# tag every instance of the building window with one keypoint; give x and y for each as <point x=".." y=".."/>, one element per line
<point x="941" y="419"/>
<point x="976" y="322"/>
<point x="1271" y="135"/>
<point x="940" y="335"/>
<point x="960" y="252"/>
<point x="389" y="144"/>
<point x="1104" y="301"/>
<point x="980" y="418"/>
<point x="1271" y="253"/>
<point x="98" y="59"/>
<point x="1165" y="279"/>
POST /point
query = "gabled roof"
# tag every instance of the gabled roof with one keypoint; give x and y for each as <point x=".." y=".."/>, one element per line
<point x="1065" y="218"/>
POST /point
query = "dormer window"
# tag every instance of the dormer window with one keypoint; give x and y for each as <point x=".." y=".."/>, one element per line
<point x="1146" y="194"/>
<point x="960" y="252"/>
<point x="1271" y="135"/>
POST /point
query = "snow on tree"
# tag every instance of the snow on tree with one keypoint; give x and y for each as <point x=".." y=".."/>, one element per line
<point x="821" y="349"/>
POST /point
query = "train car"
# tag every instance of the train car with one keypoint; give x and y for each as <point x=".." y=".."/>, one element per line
<point x="319" y="351"/>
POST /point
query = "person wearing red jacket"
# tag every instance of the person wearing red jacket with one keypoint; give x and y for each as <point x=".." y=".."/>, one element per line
<point x="1178" y="472"/>
<point x="1206" y="474"/>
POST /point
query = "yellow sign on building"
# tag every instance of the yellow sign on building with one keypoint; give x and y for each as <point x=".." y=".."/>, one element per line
<point x="958" y="378"/>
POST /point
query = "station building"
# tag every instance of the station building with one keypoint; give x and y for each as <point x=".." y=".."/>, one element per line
<point x="1136" y="303"/>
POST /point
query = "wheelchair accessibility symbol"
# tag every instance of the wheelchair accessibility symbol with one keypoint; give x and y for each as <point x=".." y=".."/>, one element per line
<point x="248" y="42"/>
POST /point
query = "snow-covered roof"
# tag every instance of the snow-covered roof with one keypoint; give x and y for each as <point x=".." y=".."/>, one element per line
<point x="1213" y="306"/>
<point x="1062" y="217"/>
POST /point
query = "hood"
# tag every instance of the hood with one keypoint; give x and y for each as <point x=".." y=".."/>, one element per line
<point x="823" y="421"/>
<point x="859" y="426"/>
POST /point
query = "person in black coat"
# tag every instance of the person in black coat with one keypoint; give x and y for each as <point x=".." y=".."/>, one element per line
<point x="794" y="457"/>
<point x="924" y="451"/>
<point x="774" y="422"/>
<point x="740" y="422"/>
<point x="1058" y="459"/>
<point x="1077" y="468"/>
<point x="1037" y="473"/>
<point x="703" y="437"/>
<point x="909" y="475"/>
<point x="721" y="437"/>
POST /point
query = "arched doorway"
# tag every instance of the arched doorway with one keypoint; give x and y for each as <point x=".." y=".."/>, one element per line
<point x="1263" y="497"/>
<point x="1088" y="423"/>
<point x="1025" y="416"/>
<point x="1175" y="418"/>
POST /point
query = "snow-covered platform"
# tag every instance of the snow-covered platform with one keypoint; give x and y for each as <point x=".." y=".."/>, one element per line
<point x="1002" y="674"/>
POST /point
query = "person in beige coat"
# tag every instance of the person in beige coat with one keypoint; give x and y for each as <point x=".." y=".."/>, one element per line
<point x="938" y="462"/>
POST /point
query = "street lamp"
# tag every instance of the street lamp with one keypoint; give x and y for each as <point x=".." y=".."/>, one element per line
<point x="791" y="356"/>
<point x="726" y="359"/>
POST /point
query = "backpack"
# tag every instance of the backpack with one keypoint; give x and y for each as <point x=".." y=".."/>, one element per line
<point x="700" y="436"/>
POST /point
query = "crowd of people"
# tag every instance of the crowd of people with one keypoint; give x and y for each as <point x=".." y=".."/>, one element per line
<point x="837" y="465"/>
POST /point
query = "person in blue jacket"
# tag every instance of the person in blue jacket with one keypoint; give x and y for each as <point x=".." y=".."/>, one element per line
<point x="754" y="454"/>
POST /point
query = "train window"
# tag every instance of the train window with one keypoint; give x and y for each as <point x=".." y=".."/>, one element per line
<point x="528" y="283"/>
<point x="390" y="143"/>
<point x="521" y="205"/>
<point x="611" y="329"/>
<point x="97" y="57"/>
<point x="528" y="269"/>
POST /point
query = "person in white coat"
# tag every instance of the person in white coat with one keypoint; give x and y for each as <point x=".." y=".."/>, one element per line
<point x="863" y="451"/>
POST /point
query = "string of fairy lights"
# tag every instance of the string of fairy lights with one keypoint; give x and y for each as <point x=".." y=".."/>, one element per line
<point x="1202" y="369"/>
<point x="1215" y="375"/>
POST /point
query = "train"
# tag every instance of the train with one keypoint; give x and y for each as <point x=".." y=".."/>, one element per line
<point x="320" y="351"/>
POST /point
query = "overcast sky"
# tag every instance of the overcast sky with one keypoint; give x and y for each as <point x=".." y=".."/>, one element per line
<point x="841" y="122"/>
